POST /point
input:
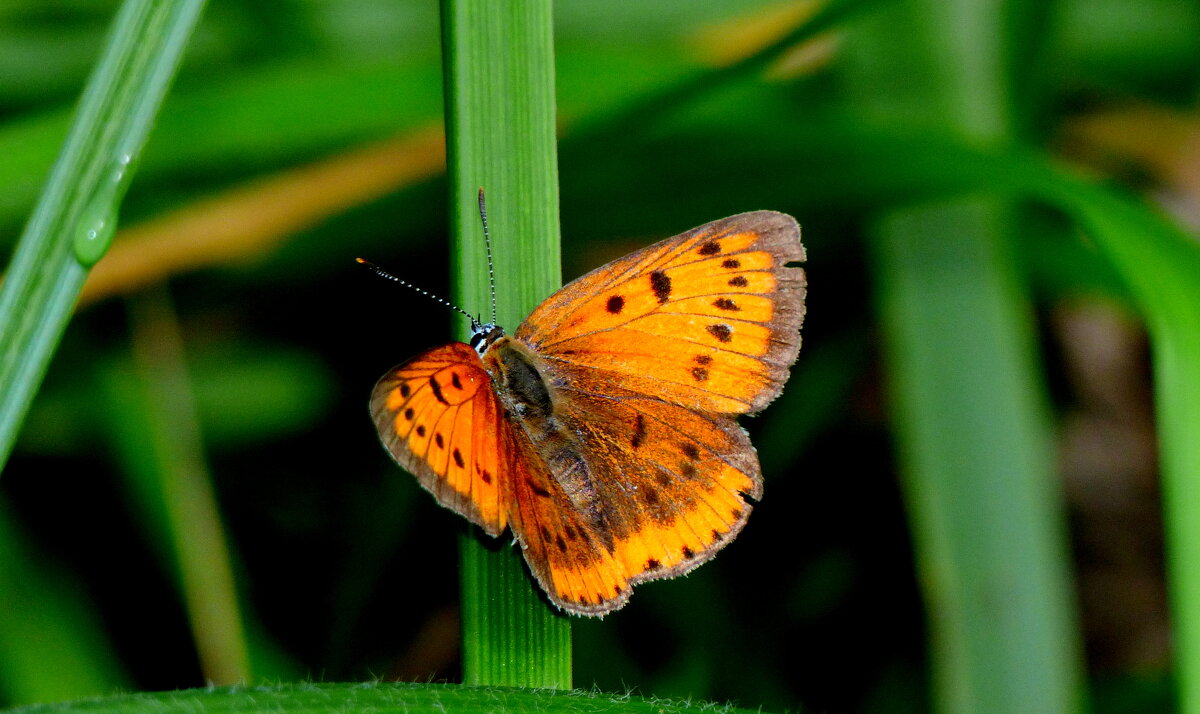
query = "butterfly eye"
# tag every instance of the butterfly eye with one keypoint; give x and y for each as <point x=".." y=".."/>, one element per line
<point x="484" y="336"/>
<point x="477" y="342"/>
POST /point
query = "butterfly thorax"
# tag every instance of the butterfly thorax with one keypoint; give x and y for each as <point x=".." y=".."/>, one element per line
<point x="528" y="394"/>
<point x="519" y="382"/>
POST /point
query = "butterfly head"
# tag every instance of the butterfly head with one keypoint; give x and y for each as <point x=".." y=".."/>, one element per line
<point x="484" y="335"/>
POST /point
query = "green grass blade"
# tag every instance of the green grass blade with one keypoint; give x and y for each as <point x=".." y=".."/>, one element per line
<point x="968" y="405"/>
<point x="500" y="134"/>
<point x="376" y="697"/>
<point x="1161" y="266"/>
<point x="156" y="435"/>
<point x="974" y="445"/>
<point x="75" y="217"/>
<point x="1177" y="392"/>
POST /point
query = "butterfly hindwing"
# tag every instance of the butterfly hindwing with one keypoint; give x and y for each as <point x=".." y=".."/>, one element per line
<point x="438" y="416"/>
<point x="670" y="483"/>
<point x="709" y="319"/>
<point x="672" y="480"/>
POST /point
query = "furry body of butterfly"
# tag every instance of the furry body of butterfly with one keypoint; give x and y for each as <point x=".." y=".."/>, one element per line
<point x="603" y="432"/>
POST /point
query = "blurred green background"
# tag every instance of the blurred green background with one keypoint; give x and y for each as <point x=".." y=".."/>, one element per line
<point x="198" y="490"/>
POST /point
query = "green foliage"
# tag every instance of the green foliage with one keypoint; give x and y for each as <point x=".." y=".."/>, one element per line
<point x="968" y="403"/>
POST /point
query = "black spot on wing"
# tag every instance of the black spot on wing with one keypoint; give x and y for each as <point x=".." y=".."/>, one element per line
<point x="455" y="380"/>
<point x="710" y="248"/>
<point x="731" y="264"/>
<point x="615" y="304"/>
<point x="726" y="304"/>
<point x="458" y="458"/>
<point x="738" y="281"/>
<point x="660" y="283"/>
<point x="437" y="391"/>
<point x="405" y="390"/>
<point x="700" y="374"/>
<point x="723" y="333"/>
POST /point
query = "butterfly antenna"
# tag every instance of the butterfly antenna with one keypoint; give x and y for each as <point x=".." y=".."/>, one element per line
<point x="487" y="239"/>
<point x="385" y="274"/>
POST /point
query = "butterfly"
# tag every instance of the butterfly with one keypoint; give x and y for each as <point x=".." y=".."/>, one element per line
<point x="603" y="431"/>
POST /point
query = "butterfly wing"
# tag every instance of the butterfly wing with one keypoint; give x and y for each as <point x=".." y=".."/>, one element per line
<point x="438" y="417"/>
<point x="672" y="479"/>
<point x="708" y="320"/>
<point x="651" y="357"/>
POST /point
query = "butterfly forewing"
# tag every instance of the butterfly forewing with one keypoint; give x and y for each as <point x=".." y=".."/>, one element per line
<point x="709" y="319"/>
<point x="437" y="415"/>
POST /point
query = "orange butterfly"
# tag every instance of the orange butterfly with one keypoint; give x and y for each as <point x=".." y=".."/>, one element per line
<point x="603" y="432"/>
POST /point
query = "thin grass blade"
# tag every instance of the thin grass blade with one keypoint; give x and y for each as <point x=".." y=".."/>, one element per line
<point x="76" y="216"/>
